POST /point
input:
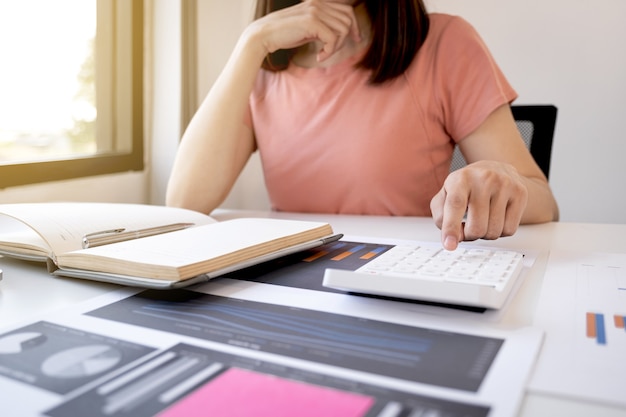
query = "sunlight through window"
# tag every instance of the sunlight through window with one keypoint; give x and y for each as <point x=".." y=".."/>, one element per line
<point x="47" y="79"/>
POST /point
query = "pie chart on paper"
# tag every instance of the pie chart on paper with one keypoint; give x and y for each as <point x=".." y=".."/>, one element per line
<point x="19" y="342"/>
<point x="81" y="361"/>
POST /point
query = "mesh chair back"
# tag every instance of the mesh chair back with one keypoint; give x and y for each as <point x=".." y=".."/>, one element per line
<point x="536" y="124"/>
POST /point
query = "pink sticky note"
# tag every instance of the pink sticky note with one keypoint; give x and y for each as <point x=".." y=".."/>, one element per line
<point x="242" y="393"/>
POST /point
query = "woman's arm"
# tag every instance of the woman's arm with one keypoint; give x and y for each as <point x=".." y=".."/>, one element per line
<point x="500" y="188"/>
<point x="217" y="143"/>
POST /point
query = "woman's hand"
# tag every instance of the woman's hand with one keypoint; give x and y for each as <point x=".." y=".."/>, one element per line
<point x="500" y="188"/>
<point x="326" y="22"/>
<point x="484" y="200"/>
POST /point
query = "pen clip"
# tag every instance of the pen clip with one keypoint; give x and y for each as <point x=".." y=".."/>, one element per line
<point x="89" y="236"/>
<point x="104" y="232"/>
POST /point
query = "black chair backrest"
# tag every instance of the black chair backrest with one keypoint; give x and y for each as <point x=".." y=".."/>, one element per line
<point x="536" y="124"/>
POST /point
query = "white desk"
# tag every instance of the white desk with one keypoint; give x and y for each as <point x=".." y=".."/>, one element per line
<point x="27" y="291"/>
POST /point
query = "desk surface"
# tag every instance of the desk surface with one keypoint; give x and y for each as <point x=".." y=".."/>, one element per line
<point x="28" y="292"/>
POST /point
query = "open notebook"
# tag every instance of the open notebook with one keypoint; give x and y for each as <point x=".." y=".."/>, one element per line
<point x="149" y="246"/>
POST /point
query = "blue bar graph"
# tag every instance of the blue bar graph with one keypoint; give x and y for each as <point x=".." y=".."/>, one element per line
<point x="600" y="330"/>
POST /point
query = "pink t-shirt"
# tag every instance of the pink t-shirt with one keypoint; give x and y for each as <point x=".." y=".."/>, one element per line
<point x="331" y="143"/>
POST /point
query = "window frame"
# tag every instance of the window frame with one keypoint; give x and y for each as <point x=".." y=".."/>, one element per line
<point x="120" y="104"/>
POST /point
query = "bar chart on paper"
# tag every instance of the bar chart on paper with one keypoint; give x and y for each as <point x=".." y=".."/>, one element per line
<point x="601" y="295"/>
<point x="582" y="308"/>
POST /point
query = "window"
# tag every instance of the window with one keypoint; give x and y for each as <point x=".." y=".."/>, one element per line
<point x="71" y="89"/>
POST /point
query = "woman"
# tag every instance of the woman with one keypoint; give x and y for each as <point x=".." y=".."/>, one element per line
<point x="355" y="107"/>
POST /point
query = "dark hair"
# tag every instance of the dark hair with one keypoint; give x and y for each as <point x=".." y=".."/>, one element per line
<point x="399" y="28"/>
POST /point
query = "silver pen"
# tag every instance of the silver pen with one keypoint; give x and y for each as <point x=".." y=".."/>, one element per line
<point x="106" y="237"/>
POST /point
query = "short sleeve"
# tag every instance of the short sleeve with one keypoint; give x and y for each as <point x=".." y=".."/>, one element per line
<point x="471" y="84"/>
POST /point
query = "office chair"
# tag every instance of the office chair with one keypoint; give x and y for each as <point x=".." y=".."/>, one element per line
<point x="536" y="124"/>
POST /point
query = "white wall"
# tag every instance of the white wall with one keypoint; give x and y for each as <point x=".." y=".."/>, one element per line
<point x="166" y="79"/>
<point x="119" y="188"/>
<point x="569" y="53"/>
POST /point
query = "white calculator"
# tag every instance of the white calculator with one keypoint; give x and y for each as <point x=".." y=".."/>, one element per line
<point x="474" y="277"/>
